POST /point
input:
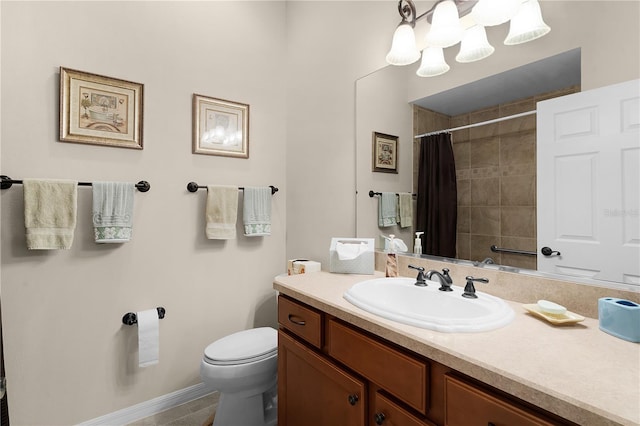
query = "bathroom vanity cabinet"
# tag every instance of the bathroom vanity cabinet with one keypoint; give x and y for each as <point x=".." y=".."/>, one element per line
<point x="331" y="372"/>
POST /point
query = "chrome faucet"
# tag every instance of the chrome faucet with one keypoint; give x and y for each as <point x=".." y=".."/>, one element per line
<point x="420" y="281"/>
<point x="443" y="278"/>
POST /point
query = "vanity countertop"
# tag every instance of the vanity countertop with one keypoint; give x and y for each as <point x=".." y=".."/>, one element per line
<point x="575" y="371"/>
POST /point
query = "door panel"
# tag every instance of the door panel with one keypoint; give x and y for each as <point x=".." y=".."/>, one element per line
<point x="588" y="148"/>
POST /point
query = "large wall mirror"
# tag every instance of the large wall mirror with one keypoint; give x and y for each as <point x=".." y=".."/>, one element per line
<point x="496" y="163"/>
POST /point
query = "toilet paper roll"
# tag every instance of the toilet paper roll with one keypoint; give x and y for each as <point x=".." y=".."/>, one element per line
<point x="148" y="337"/>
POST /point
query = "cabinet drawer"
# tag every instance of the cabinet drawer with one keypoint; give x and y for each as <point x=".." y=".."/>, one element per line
<point x="403" y="376"/>
<point x="467" y="404"/>
<point x="388" y="413"/>
<point x="301" y="320"/>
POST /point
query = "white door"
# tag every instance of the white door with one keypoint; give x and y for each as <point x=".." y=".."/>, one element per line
<point x="588" y="188"/>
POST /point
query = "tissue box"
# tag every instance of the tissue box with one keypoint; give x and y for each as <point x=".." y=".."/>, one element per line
<point x="620" y="318"/>
<point x="301" y="266"/>
<point x="363" y="263"/>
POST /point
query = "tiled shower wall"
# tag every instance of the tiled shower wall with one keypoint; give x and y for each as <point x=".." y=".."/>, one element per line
<point x="496" y="177"/>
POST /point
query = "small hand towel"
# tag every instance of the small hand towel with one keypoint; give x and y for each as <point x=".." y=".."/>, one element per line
<point x="50" y="210"/>
<point x="221" y="212"/>
<point x="405" y="209"/>
<point x="256" y="211"/>
<point x="112" y="211"/>
<point x="387" y="209"/>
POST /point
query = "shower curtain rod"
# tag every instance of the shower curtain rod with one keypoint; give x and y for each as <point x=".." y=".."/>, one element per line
<point x="468" y="126"/>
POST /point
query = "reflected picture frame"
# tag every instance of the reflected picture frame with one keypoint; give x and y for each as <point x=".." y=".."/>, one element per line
<point x="100" y="110"/>
<point x="220" y="127"/>
<point x="385" y="153"/>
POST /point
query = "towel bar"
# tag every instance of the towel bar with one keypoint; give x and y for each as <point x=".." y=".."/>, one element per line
<point x="193" y="187"/>
<point x="131" y="318"/>
<point x="372" y="193"/>
<point x="497" y="249"/>
<point x="6" y="182"/>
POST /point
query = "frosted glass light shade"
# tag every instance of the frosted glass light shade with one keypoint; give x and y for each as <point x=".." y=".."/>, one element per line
<point x="403" y="47"/>
<point x="433" y="63"/>
<point x="527" y="25"/>
<point x="494" y="12"/>
<point x="445" y="25"/>
<point x="475" y="45"/>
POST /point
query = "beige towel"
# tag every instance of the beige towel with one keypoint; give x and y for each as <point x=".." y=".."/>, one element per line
<point x="50" y="210"/>
<point x="405" y="209"/>
<point x="221" y="212"/>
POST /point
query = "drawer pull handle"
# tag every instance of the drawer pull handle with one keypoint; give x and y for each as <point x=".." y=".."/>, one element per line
<point x="379" y="418"/>
<point x="491" y="424"/>
<point x="294" y="319"/>
<point x="353" y="399"/>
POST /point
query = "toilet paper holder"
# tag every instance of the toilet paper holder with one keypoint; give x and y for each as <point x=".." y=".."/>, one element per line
<point x="131" y="318"/>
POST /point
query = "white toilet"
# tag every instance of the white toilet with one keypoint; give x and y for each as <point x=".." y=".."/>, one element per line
<point x="243" y="367"/>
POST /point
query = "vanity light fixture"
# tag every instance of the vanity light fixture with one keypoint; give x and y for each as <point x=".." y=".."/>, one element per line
<point x="449" y="28"/>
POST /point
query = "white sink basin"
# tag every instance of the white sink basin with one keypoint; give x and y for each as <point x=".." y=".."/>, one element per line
<point x="398" y="299"/>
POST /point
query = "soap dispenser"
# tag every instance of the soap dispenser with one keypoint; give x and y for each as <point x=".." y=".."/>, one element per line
<point x="391" y="269"/>
<point x="417" y="244"/>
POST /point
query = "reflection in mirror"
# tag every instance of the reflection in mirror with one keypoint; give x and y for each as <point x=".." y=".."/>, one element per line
<point x="496" y="179"/>
<point x="496" y="163"/>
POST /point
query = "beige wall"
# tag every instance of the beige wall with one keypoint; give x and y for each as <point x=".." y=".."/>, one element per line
<point x="68" y="356"/>
<point x="295" y="63"/>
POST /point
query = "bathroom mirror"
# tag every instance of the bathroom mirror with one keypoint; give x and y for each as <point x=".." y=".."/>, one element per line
<point x="384" y="103"/>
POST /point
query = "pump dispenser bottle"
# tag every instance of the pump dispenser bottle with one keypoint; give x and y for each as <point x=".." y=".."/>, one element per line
<point x="417" y="244"/>
<point x="391" y="269"/>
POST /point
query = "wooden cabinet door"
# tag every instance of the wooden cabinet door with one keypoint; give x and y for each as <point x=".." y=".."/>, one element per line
<point x="314" y="392"/>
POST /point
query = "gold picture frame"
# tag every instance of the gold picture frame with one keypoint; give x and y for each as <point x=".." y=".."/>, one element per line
<point x="220" y="127"/>
<point x="385" y="153"/>
<point x="100" y="110"/>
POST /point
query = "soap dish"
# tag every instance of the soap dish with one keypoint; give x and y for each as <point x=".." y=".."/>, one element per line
<point x="567" y="318"/>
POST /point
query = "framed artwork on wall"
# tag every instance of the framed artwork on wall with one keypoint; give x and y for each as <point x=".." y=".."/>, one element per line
<point x="100" y="110"/>
<point x="385" y="153"/>
<point x="220" y="127"/>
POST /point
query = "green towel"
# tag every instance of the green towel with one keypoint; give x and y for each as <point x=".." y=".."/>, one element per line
<point x="387" y="209"/>
<point x="405" y="209"/>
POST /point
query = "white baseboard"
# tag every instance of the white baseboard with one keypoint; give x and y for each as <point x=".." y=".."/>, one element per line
<point x="151" y="407"/>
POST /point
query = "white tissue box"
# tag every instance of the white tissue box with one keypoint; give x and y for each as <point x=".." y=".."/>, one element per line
<point x="301" y="266"/>
<point x="352" y="255"/>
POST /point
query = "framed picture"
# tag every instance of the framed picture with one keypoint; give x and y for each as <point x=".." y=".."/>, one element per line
<point x="220" y="127"/>
<point x="385" y="153"/>
<point x="100" y="110"/>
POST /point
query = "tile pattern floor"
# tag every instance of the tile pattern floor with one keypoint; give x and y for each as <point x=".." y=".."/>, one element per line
<point x="193" y="413"/>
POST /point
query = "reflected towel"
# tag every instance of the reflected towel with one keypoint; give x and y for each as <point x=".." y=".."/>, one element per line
<point x="50" y="210"/>
<point x="221" y="212"/>
<point x="387" y="209"/>
<point x="405" y="209"/>
<point x="256" y="211"/>
<point x="112" y="211"/>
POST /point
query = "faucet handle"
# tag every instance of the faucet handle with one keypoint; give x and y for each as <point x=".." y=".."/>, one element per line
<point x="469" y="288"/>
<point x="445" y="274"/>
<point x="420" y="280"/>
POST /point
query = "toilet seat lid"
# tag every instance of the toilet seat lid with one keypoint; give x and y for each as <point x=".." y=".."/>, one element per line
<point x="243" y="346"/>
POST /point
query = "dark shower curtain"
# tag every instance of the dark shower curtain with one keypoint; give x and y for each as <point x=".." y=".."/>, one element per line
<point x="437" y="208"/>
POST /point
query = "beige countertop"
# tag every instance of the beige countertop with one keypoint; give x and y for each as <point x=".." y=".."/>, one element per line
<point x="577" y="372"/>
